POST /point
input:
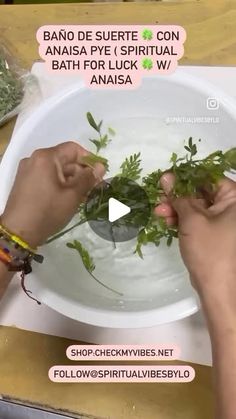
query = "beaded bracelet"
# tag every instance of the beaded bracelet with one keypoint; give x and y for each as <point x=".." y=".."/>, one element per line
<point x="17" y="255"/>
<point x="17" y="263"/>
<point x="16" y="239"/>
<point x="4" y="257"/>
<point x="18" y="243"/>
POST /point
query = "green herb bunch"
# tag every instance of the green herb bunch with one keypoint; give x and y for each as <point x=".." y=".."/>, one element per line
<point x="192" y="177"/>
<point x="11" y="89"/>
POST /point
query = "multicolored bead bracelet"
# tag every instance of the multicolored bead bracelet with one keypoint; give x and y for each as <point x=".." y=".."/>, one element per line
<point x="16" y="253"/>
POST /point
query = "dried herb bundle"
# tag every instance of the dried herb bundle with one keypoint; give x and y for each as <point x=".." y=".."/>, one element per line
<point x="11" y="88"/>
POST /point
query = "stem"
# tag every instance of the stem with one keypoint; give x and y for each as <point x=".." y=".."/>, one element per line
<point x="104" y="285"/>
<point x="100" y="208"/>
<point x="57" y="236"/>
<point x="112" y="237"/>
<point x="101" y="197"/>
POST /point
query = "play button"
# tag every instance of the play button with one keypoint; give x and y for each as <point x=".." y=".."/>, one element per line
<point x="117" y="208"/>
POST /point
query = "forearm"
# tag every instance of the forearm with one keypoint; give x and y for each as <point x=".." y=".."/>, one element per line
<point x="5" y="278"/>
<point x="220" y="311"/>
<point x="224" y="363"/>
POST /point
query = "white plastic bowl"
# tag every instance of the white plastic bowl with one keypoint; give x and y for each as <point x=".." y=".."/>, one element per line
<point x="156" y="290"/>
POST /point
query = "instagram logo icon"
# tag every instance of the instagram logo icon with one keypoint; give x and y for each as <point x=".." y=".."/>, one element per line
<point x="212" y="103"/>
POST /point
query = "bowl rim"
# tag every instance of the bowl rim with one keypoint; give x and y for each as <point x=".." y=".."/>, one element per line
<point x="111" y="318"/>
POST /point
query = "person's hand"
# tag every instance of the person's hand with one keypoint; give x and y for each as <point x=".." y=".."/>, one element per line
<point x="48" y="188"/>
<point x="207" y="235"/>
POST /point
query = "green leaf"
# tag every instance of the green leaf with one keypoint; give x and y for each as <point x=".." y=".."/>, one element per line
<point x="173" y="158"/>
<point x="86" y="258"/>
<point x="104" y="141"/>
<point x="97" y="144"/>
<point x="194" y="150"/>
<point x="130" y="168"/>
<point x="212" y="156"/>
<point x="174" y="233"/>
<point x="138" y="250"/>
<point x="169" y="241"/>
<point x="99" y="126"/>
<point x="91" y="159"/>
<point x="92" y="122"/>
<point x="111" y="131"/>
<point x="187" y="148"/>
<point x="162" y="223"/>
<point x="230" y="157"/>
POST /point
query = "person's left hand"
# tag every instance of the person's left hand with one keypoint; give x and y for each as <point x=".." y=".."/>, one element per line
<point x="48" y="188"/>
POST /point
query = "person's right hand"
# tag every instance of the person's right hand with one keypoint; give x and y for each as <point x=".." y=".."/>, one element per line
<point x="207" y="236"/>
<point x="207" y="239"/>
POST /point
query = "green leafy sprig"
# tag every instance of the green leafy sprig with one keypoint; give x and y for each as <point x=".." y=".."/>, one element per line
<point x="88" y="262"/>
<point x="85" y="256"/>
<point x="192" y="177"/>
<point x="100" y="143"/>
<point x="130" y="168"/>
<point x="103" y="140"/>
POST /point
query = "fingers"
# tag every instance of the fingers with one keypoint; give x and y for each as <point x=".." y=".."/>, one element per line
<point x="219" y="196"/>
<point x="174" y="209"/>
<point x="71" y="170"/>
<point x="178" y="208"/>
<point x="64" y="153"/>
<point x="71" y="173"/>
<point x="99" y="171"/>
<point x="165" y="210"/>
<point x="182" y="206"/>
<point x="84" y="181"/>
<point x="69" y="152"/>
<point x="225" y="197"/>
<point x="187" y="207"/>
<point x="171" y="221"/>
<point x="225" y="188"/>
<point x="212" y="203"/>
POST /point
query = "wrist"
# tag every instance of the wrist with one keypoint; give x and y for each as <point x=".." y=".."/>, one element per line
<point x="218" y="299"/>
<point x="21" y="229"/>
<point x="5" y="277"/>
